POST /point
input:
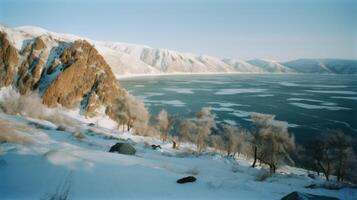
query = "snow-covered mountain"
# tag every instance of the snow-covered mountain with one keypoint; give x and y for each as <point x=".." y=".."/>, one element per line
<point x="271" y="66"/>
<point x="132" y="59"/>
<point x="329" y="66"/>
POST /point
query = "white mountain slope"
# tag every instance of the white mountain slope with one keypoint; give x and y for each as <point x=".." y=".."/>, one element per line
<point x="326" y="66"/>
<point x="243" y="66"/>
<point x="270" y="66"/>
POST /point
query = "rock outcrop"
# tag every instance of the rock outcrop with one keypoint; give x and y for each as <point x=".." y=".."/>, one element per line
<point x="71" y="74"/>
<point x="306" y="196"/>
<point x="123" y="148"/>
<point x="8" y="61"/>
<point x="187" y="179"/>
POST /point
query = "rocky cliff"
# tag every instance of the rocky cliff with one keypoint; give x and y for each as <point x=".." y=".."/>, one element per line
<point x="68" y="73"/>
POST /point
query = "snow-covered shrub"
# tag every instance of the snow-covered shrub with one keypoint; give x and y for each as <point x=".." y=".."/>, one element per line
<point x="163" y="124"/>
<point x="186" y="130"/>
<point x="218" y="143"/>
<point x="271" y="141"/>
<point x="332" y="154"/>
<point x="11" y="102"/>
<point x="205" y="122"/>
<point x="79" y="135"/>
<point x="131" y="113"/>
<point x="14" y="132"/>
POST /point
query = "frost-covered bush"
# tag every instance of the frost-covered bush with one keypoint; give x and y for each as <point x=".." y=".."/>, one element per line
<point x="218" y="143"/>
<point x="130" y="112"/>
<point x="332" y="154"/>
<point x="79" y="135"/>
<point x="272" y="144"/>
<point x="163" y="124"/>
<point x="11" y="102"/>
<point x="204" y="122"/>
<point x="14" y="132"/>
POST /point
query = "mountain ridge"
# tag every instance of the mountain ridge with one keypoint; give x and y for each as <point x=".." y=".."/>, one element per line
<point x="135" y="59"/>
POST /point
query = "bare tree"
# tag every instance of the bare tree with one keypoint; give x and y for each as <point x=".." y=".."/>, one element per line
<point x="163" y="124"/>
<point x="271" y="141"/>
<point x="205" y="122"/>
<point x="276" y="146"/>
<point x="259" y="121"/>
<point x="218" y="143"/>
<point x="187" y="129"/>
<point x="231" y="137"/>
<point x="130" y="112"/>
<point x="332" y="153"/>
<point x="319" y="151"/>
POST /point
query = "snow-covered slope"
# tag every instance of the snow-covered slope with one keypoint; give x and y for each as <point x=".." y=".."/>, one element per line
<point x="270" y="66"/>
<point x="47" y="162"/>
<point x="243" y="66"/>
<point x="329" y="66"/>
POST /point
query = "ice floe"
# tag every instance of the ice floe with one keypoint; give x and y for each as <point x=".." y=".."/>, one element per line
<point x="232" y="91"/>
<point x="309" y="106"/>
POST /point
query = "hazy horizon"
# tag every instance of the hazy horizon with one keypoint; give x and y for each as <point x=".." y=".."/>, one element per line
<point x="281" y="31"/>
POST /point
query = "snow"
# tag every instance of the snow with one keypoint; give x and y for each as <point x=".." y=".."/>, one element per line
<point x="174" y="103"/>
<point x="180" y="90"/>
<point x="340" y="97"/>
<point x="327" y="107"/>
<point x="332" y="92"/>
<point x="58" y="162"/>
<point x="232" y="91"/>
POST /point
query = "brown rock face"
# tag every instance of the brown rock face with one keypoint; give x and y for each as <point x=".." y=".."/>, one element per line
<point x="69" y="74"/>
<point x="36" y="55"/>
<point x="8" y="61"/>
<point x="86" y="80"/>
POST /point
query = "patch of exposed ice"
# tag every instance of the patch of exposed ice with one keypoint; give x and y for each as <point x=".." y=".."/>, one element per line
<point x="328" y="86"/>
<point x="289" y="84"/>
<point x="232" y="91"/>
<point x="223" y="109"/>
<point x="338" y="97"/>
<point x="230" y="122"/>
<point x="309" y="106"/>
<point x="332" y="92"/>
<point x="302" y="99"/>
<point x="149" y="94"/>
<point x="241" y="113"/>
<point x="227" y="104"/>
<point x="299" y="94"/>
<point x="264" y="95"/>
<point x="175" y="103"/>
<point x="180" y="90"/>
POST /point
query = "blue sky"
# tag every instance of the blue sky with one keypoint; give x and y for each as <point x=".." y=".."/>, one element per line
<point x="244" y="29"/>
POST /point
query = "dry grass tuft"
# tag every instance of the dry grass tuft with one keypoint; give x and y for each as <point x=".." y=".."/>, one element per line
<point x="14" y="132"/>
<point x="11" y="102"/>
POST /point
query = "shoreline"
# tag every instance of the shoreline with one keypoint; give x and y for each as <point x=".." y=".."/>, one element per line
<point x="132" y="76"/>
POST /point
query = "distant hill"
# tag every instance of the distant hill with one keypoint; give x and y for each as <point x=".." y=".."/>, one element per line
<point x="325" y="66"/>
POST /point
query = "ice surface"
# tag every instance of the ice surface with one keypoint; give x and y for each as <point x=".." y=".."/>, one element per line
<point x="232" y="91"/>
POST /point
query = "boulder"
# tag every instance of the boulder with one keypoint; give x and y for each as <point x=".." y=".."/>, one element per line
<point x="187" y="179"/>
<point x="305" y="196"/>
<point x="154" y="146"/>
<point x="123" y="148"/>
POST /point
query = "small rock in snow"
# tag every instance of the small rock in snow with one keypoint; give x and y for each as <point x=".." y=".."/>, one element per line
<point x="186" y="179"/>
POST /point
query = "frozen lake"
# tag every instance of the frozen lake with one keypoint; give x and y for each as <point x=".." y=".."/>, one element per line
<point x="310" y="104"/>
